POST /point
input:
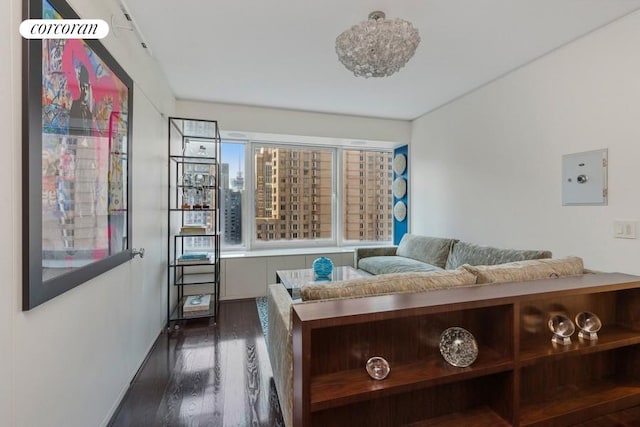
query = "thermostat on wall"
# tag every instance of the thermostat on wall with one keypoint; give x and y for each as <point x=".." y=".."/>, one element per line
<point x="584" y="178"/>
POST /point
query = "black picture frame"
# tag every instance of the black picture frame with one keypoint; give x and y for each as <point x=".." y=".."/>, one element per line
<point x="108" y="188"/>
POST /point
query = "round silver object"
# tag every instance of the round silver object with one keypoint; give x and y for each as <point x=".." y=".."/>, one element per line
<point x="458" y="347"/>
<point x="378" y="368"/>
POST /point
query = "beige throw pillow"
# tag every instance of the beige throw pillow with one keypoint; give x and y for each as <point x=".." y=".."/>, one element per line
<point x="389" y="284"/>
<point x="527" y="270"/>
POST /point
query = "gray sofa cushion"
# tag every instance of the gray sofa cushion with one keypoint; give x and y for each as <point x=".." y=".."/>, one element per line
<point x="393" y="264"/>
<point x="432" y="250"/>
<point x="467" y="253"/>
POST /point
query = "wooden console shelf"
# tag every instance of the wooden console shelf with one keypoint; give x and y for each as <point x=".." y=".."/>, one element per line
<point x="479" y="417"/>
<point x="520" y="377"/>
<point x="568" y="405"/>
<point x="340" y="388"/>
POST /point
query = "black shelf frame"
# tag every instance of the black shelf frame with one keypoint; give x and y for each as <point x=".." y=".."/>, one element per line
<point x="182" y="163"/>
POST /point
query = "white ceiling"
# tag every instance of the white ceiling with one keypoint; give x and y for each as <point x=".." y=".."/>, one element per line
<point x="280" y="53"/>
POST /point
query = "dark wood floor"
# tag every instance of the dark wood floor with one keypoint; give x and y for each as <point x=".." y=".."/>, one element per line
<point x="205" y="374"/>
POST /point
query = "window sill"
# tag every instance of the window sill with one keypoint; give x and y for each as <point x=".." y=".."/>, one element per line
<point x="286" y="251"/>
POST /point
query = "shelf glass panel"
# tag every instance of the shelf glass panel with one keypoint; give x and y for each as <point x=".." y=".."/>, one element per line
<point x="179" y="314"/>
<point x="195" y="160"/>
<point x="197" y="279"/>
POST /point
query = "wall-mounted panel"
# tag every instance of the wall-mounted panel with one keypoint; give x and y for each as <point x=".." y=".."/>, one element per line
<point x="584" y="178"/>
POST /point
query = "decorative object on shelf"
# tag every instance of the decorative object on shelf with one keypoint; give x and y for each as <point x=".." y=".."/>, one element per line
<point x="196" y="303"/>
<point x="400" y="211"/>
<point x="378" y="368"/>
<point x="532" y="319"/>
<point x="322" y="267"/>
<point x="562" y="328"/>
<point x="186" y="259"/>
<point x="458" y="347"/>
<point x="399" y="187"/>
<point x="377" y="47"/>
<point x="77" y="116"/>
<point x="589" y="325"/>
<point x="399" y="163"/>
<point x="193" y="229"/>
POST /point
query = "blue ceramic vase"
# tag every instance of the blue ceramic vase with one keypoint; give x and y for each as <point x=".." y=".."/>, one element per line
<point x="322" y="267"/>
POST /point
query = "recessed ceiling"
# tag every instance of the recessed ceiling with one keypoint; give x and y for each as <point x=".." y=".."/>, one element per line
<point x="280" y="53"/>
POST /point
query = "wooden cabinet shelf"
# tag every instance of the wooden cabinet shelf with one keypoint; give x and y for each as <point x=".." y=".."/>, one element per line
<point x="340" y="388"/>
<point x="567" y="405"/>
<point x="610" y="337"/>
<point x="520" y="377"/>
<point x="482" y="416"/>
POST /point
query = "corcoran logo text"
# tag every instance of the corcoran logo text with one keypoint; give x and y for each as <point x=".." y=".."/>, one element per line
<point x="64" y="29"/>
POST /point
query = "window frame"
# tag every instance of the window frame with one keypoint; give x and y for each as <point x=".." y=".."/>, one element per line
<point x="355" y="243"/>
<point x="253" y="242"/>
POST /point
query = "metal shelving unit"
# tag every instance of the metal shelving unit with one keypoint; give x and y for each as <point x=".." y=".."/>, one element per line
<point x="193" y="219"/>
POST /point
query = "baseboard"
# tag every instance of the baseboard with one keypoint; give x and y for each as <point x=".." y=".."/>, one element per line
<point x="116" y="405"/>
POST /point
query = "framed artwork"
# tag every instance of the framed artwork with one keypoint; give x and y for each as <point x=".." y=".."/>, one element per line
<point x="77" y="117"/>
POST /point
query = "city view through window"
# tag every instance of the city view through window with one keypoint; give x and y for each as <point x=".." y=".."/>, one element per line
<point x="367" y="195"/>
<point x="292" y="189"/>
<point x="232" y="190"/>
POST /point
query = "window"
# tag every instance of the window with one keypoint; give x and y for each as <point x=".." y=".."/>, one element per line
<point x="232" y="190"/>
<point x="364" y="210"/>
<point x="289" y="211"/>
<point x="321" y="186"/>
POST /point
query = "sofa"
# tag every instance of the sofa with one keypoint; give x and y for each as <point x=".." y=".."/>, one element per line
<point x="279" y="339"/>
<point x="425" y="253"/>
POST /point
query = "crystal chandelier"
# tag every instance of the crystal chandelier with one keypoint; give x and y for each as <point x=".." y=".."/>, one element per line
<point x="378" y="47"/>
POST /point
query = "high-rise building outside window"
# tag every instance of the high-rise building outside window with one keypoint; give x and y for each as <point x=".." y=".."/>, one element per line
<point x="361" y="218"/>
<point x="232" y="192"/>
<point x="279" y="181"/>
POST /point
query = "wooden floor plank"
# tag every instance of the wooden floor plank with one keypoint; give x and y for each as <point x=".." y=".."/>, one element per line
<point x="205" y="374"/>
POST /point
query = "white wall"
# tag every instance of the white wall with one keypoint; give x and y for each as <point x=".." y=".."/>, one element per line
<point x="289" y="122"/>
<point x="9" y="179"/>
<point x="69" y="361"/>
<point x="486" y="168"/>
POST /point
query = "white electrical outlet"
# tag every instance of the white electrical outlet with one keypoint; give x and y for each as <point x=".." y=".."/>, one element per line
<point x="624" y="229"/>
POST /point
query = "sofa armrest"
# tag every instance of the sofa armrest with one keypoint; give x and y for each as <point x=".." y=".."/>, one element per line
<point x="360" y="253"/>
<point x="279" y="347"/>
